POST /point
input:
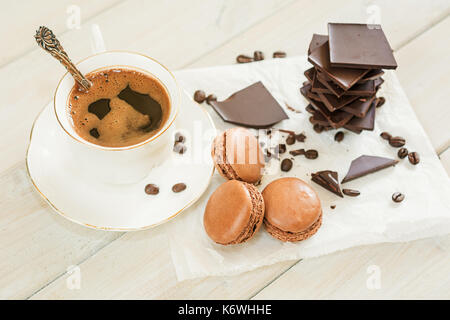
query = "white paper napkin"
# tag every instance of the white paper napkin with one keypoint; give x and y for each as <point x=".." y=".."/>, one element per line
<point x="370" y="218"/>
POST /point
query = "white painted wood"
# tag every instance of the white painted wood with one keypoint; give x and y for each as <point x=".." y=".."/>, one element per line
<point x="37" y="245"/>
<point x="424" y="71"/>
<point x="138" y="265"/>
<point x="19" y="20"/>
<point x="415" y="270"/>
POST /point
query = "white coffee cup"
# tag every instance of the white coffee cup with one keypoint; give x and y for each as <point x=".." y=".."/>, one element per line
<point x="118" y="165"/>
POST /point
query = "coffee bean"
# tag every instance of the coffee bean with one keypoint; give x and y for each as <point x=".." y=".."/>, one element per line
<point x="300" y="137"/>
<point x="339" y="136"/>
<point x="297" y="152"/>
<point x="211" y="97"/>
<point x="385" y="135"/>
<point x="290" y="140"/>
<point x="309" y="108"/>
<point x="397" y="142"/>
<point x="351" y="192"/>
<point x="286" y="165"/>
<point x="179" y="148"/>
<point x="179" y="137"/>
<point x="379" y="102"/>
<point x="414" y="158"/>
<point x="178" y="187"/>
<point x="398" y="197"/>
<point x="151" y="189"/>
<point x="281" y="148"/>
<point x="199" y="96"/>
<point x="94" y="132"/>
<point x="258" y="56"/>
<point x="318" y="128"/>
<point x="279" y="54"/>
<point x="243" y="59"/>
<point x="311" y="154"/>
<point x="402" y="153"/>
<point x="333" y="206"/>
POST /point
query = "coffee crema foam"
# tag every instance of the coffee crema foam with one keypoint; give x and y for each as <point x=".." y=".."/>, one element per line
<point x="99" y="116"/>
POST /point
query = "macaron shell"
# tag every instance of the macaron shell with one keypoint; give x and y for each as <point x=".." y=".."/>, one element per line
<point x="218" y="155"/>
<point x="244" y="154"/>
<point x="257" y="215"/>
<point x="228" y="212"/>
<point x="291" y="205"/>
<point x="293" y="237"/>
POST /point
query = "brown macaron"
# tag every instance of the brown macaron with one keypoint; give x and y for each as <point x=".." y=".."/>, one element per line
<point x="292" y="209"/>
<point x="237" y="155"/>
<point x="234" y="212"/>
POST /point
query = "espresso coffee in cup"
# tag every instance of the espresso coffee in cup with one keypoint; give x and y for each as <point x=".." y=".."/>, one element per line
<point x="123" y="107"/>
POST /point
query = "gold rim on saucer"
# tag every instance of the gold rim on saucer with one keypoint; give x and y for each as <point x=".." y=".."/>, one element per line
<point x="109" y="228"/>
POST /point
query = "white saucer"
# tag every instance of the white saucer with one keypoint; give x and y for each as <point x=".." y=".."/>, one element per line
<point x="121" y="207"/>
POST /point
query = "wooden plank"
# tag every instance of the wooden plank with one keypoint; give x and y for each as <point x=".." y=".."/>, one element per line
<point x="415" y="270"/>
<point x="43" y="244"/>
<point x="151" y="273"/>
<point x="37" y="245"/>
<point x="23" y="17"/>
<point x="343" y="274"/>
<point x="424" y="71"/>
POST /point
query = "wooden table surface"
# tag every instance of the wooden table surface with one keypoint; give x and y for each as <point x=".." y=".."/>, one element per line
<point x="38" y="247"/>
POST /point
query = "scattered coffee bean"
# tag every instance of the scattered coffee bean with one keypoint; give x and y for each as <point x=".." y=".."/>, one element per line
<point x="339" y="136"/>
<point x="351" y="192"/>
<point x="379" y="102"/>
<point x="385" y="135"/>
<point x="281" y="148"/>
<point x="397" y="142"/>
<point x="333" y="206"/>
<point x="258" y="56"/>
<point x="178" y="187"/>
<point x="297" y="152"/>
<point x="311" y="154"/>
<point x="300" y="137"/>
<point x="94" y="133"/>
<point x="402" y="153"/>
<point x="199" y="96"/>
<point x="414" y="158"/>
<point x="151" y="189"/>
<point x="179" y="137"/>
<point x="279" y="54"/>
<point x="211" y="97"/>
<point x="309" y="108"/>
<point x="286" y="165"/>
<point x="398" y="197"/>
<point x="179" y="148"/>
<point x="243" y="59"/>
<point x="318" y="128"/>
<point x="290" y="140"/>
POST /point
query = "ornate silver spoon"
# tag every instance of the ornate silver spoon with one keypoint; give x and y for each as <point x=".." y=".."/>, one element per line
<point x="47" y="41"/>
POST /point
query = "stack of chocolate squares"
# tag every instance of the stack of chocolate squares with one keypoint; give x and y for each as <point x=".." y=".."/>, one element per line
<point x="346" y="75"/>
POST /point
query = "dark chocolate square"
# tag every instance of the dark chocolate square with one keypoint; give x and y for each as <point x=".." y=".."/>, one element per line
<point x="359" y="46"/>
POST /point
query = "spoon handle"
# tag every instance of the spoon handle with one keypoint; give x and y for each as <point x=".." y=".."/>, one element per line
<point x="47" y="41"/>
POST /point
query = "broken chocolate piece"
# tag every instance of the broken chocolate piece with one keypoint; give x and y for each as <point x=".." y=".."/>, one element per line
<point x="316" y="41"/>
<point x="367" y="164"/>
<point x="329" y="180"/>
<point x="253" y="107"/>
<point x="343" y="77"/>
<point x="359" y="46"/>
<point x="366" y="123"/>
<point x="359" y="107"/>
